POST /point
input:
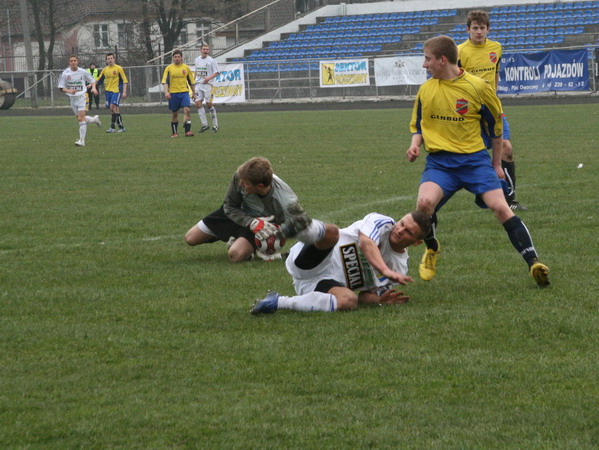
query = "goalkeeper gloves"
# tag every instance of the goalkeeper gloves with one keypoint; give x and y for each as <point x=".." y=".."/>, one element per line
<point x="262" y="227"/>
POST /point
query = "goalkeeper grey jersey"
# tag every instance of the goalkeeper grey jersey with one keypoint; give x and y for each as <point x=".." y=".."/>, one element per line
<point x="242" y="208"/>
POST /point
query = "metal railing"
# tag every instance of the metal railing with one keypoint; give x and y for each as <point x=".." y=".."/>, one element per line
<point x="264" y="81"/>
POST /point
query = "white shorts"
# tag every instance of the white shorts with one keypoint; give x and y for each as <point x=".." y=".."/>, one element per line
<point x="204" y="93"/>
<point x="78" y="103"/>
<point x="305" y="281"/>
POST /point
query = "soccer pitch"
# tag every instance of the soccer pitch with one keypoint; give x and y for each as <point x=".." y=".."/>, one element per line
<point x="114" y="333"/>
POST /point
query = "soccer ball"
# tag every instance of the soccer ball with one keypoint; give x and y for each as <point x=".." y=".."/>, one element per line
<point x="269" y="246"/>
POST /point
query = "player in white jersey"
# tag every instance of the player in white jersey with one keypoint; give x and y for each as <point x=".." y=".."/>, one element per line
<point x="73" y="82"/>
<point x="206" y="71"/>
<point x="370" y="256"/>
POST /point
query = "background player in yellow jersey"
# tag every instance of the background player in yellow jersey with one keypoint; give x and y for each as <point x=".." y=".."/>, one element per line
<point x="178" y="81"/>
<point x="115" y="86"/>
<point x="482" y="57"/>
<point x="449" y="111"/>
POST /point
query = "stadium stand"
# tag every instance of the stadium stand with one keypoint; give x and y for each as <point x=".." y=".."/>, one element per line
<point x="518" y="27"/>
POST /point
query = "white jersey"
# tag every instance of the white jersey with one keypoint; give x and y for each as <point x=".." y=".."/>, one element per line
<point x="347" y="264"/>
<point x="205" y="67"/>
<point x="77" y="80"/>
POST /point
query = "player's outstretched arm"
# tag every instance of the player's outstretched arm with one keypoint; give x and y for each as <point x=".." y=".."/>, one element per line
<point x="375" y="258"/>
<point x="389" y="297"/>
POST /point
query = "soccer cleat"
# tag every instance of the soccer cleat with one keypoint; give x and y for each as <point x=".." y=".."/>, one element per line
<point x="188" y="134"/>
<point x="175" y="135"/>
<point x="215" y="129"/>
<point x="80" y="143"/>
<point x="267" y="305"/>
<point x="428" y="264"/>
<point x="517" y="206"/>
<point x="121" y="130"/>
<point x="96" y="120"/>
<point x="204" y="129"/>
<point x="111" y="130"/>
<point x="298" y="221"/>
<point x="540" y="273"/>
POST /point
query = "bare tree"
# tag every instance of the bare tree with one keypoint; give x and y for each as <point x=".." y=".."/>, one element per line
<point x="172" y="16"/>
<point x="48" y="21"/>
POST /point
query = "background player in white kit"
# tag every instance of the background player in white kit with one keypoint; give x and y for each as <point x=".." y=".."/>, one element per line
<point x="370" y="256"/>
<point x="73" y="82"/>
<point x="206" y="70"/>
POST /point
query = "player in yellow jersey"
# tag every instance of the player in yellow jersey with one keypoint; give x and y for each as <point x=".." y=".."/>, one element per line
<point x="178" y="81"/>
<point x="450" y="110"/>
<point x="481" y="56"/>
<point x="115" y="86"/>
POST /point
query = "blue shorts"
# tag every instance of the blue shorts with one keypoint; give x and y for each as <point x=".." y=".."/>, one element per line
<point x="506" y="132"/>
<point x="179" y="100"/>
<point x="113" y="98"/>
<point x="454" y="171"/>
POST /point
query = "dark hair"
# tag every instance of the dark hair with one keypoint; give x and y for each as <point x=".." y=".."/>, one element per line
<point x="423" y="221"/>
<point x="109" y="54"/>
<point x="256" y="170"/>
<point x="177" y="52"/>
<point x="478" y="16"/>
<point x="443" y="46"/>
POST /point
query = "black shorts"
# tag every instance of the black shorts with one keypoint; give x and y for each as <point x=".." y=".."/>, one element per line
<point x="224" y="228"/>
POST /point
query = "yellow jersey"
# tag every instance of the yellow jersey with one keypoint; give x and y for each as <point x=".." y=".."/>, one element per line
<point x="481" y="60"/>
<point x="178" y="77"/>
<point x="450" y="114"/>
<point x="114" y="77"/>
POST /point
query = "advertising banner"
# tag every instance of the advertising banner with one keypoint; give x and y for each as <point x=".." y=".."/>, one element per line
<point x="398" y="71"/>
<point x="229" y="85"/>
<point x="557" y="70"/>
<point x="344" y="73"/>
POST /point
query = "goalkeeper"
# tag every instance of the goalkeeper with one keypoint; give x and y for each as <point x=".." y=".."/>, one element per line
<point x="255" y="202"/>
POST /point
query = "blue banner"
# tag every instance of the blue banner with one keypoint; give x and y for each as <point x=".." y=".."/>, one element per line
<point x="557" y="70"/>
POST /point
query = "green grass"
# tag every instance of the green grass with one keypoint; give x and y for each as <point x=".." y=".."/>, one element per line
<point x="114" y="333"/>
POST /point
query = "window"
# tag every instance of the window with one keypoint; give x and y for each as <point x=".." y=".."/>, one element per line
<point x="182" y="39"/>
<point x="101" y="36"/>
<point x="125" y="35"/>
<point x="202" y="28"/>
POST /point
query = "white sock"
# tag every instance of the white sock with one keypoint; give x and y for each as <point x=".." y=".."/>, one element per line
<point x="89" y="119"/>
<point x="202" y="114"/>
<point x="314" y="301"/>
<point x="314" y="232"/>
<point x="213" y="115"/>
<point x="82" y="131"/>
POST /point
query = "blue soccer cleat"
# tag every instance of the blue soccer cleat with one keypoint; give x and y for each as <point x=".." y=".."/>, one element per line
<point x="267" y="305"/>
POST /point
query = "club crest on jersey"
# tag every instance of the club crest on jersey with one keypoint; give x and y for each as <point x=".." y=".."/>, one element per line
<point x="352" y="269"/>
<point x="493" y="57"/>
<point x="183" y="72"/>
<point x="461" y="106"/>
<point x="114" y="72"/>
